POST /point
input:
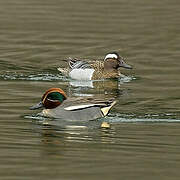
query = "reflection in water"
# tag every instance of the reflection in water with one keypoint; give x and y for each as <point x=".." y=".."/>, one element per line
<point x="105" y="88"/>
<point x="81" y="83"/>
<point x="76" y="132"/>
<point x="74" y="142"/>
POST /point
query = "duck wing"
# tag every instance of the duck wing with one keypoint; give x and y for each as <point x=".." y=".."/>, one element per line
<point x="78" y="64"/>
<point x="75" y="104"/>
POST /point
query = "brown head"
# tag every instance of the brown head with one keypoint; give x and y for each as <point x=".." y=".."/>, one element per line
<point x="52" y="98"/>
<point x="113" y="61"/>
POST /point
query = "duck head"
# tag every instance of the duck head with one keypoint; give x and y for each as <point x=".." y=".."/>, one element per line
<point x="52" y="98"/>
<point x="113" y="61"/>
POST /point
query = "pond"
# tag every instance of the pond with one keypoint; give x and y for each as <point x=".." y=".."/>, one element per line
<point x="144" y="139"/>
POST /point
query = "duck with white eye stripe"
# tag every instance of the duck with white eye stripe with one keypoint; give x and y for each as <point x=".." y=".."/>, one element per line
<point x="56" y="104"/>
<point x="94" y="70"/>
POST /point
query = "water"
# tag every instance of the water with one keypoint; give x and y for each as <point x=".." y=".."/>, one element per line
<point x="143" y="141"/>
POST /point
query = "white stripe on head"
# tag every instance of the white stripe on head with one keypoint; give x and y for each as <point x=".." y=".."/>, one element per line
<point x="111" y="56"/>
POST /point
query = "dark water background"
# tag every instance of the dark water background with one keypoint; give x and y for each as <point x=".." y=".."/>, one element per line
<point x="144" y="139"/>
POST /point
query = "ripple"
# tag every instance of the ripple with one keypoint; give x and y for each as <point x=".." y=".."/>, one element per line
<point x="126" y="79"/>
<point x="55" y="77"/>
<point x="35" y="117"/>
<point x="32" y="77"/>
<point x="115" y="118"/>
<point x="146" y="118"/>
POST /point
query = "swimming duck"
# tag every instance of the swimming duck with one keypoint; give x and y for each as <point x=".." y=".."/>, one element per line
<point x="83" y="70"/>
<point x="58" y="105"/>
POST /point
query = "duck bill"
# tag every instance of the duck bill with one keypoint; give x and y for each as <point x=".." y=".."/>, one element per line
<point x="37" y="106"/>
<point x="124" y="65"/>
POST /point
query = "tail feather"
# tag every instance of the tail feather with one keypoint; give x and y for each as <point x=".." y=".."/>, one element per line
<point x="105" y="110"/>
<point x="64" y="71"/>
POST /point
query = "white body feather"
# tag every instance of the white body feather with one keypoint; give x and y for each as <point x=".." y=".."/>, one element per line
<point x="81" y="74"/>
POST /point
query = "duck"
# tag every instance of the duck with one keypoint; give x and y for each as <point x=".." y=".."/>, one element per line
<point x="94" y="70"/>
<point x="56" y="104"/>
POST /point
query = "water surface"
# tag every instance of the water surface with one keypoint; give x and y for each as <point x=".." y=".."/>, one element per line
<point x="143" y="141"/>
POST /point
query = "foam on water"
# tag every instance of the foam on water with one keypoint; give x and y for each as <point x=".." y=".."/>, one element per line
<point x="146" y="118"/>
<point x="126" y="79"/>
<point x="54" y="77"/>
<point x="124" y="118"/>
<point x="32" y="77"/>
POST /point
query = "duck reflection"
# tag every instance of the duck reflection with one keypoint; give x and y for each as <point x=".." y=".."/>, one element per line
<point x="110" y="88"/>
<point x="57" y="133"/>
